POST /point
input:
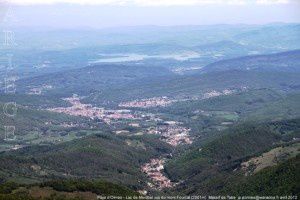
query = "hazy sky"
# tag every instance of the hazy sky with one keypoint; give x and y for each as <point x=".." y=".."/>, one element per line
<point x="112" y="13"/>
<point x="151" y="2"/>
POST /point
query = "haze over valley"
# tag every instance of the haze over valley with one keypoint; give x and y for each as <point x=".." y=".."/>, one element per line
<point x="175" y="110"/>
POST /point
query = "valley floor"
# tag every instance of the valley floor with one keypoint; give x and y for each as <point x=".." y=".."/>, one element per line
<point x="171" y="132"/>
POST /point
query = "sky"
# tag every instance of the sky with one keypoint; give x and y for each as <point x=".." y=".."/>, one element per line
<point x="116" y="13"/>
<point x="151" y="2"/>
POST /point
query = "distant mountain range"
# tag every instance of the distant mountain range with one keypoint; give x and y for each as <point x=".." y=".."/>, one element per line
<point x="126" y="82"/>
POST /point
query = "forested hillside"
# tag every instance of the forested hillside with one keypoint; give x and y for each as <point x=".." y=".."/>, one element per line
<point x="286" y="61"/>
<point x="102" y="156"/>
<point x="211" y="167"/>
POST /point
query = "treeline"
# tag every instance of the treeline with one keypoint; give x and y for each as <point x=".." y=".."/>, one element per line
<point x="62" y="189"/>
<point x="98" y="187"/>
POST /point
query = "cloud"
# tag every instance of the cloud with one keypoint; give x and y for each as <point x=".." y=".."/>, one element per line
<point x="152" y="2"/>
<point x="273" y="1"/>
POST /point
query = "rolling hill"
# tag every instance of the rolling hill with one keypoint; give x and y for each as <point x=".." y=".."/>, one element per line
<point x="211" y="167"/>
<point x="275" y="180"/>
<point x="285" y="62"/>
<point x="190" y="86"/>
<point x="101" y="156"/>
<point x="91" y="78"/>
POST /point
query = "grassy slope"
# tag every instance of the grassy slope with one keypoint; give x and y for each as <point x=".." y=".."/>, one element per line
<point x="280" y="180"/>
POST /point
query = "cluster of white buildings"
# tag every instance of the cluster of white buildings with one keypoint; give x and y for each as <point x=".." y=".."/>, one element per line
<point x="172" y="134"/>
<point x="215" y="93"/>
<point x="39" y="90"/>
<point x="154" y="169"/>
<point x="87" y="110"/>
<point x="147" y="103"/>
